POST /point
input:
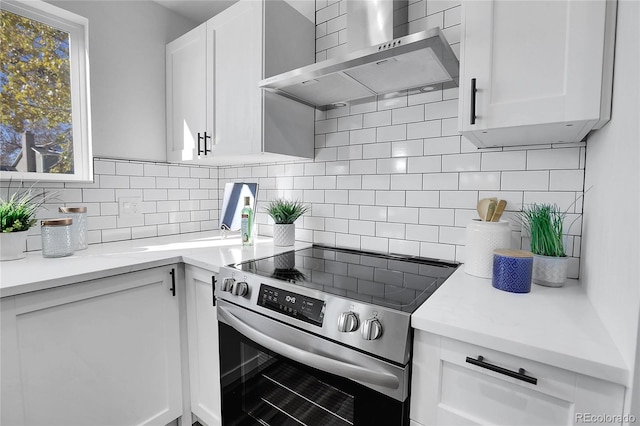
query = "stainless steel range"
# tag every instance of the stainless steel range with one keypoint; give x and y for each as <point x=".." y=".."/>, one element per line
<point x="321" y="336"/>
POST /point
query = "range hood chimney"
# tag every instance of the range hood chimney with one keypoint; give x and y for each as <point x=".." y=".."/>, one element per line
<point x="382" y="59"/>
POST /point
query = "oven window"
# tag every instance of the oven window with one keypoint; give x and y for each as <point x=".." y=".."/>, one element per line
<point x="260" y="387"/>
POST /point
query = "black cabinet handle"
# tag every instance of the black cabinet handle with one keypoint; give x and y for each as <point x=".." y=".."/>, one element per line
<point x="213" y="289"/>
<point x="472" y="114"/>
<point x="173" y="282"/>
<point x="480" y="362"/>
<point x="204" y="141"/>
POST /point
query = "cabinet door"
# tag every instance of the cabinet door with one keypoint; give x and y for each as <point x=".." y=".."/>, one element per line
<point x="235" y="64"/>
<point x="450" y="388"/>
<point x="538" y="67"/>
<point x="102" y="352"/>
<point x="186" y="94"/>
<point x="204" y="366"/>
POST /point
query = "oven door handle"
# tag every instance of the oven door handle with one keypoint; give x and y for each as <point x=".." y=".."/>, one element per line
<point x="321" y="362"/>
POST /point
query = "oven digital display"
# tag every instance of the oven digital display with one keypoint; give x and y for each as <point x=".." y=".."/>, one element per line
<point x="291" y="304"/>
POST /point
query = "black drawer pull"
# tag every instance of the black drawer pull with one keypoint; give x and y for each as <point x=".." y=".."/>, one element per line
<point x="480" y="362"/>
<point x="213" y="289"/>
<point x="173" y="281"/>
<point x="472" y="113"/>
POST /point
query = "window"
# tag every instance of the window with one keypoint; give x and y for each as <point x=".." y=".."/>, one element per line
<point x="44" y="93"/>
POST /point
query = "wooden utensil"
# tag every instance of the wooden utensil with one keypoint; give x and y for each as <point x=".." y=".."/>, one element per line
<point x="482" y="207"/>
<point x="499" y="210"/>
<point x="490" y="210"/>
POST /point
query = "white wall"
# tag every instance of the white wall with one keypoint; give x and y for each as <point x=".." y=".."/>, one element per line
<point x="610" y="269"/>
<point x="127" y="67"/>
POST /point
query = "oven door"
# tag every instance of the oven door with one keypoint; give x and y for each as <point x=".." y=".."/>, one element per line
<point x="278" y="375"/>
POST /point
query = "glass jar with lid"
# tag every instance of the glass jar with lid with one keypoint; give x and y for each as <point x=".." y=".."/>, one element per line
<point x="79" y="226"/>
<point x="57" y="238"/>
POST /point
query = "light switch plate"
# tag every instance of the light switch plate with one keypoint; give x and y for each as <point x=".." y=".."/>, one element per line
<point x="130" y="211"/>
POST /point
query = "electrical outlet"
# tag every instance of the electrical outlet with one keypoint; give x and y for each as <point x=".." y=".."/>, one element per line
<point x="130" y="211"/>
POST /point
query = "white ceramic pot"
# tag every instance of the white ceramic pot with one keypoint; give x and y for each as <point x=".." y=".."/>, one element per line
<point x="549" y="271"/>
<point x="284" y="234"/>
<point x="482" y="239"/>
<point x="13" y="245"/>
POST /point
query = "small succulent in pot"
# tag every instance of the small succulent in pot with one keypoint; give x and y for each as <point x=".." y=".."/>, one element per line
<point x="17" y="215"/>
<point x="18" y="212"/>
<point x="284" y="213"/>
<point x="545" y="225"/>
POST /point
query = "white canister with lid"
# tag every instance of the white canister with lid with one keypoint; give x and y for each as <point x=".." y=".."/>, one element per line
<point x="79" y="226"/>
<point x="57" y="238"/>
<point x="482" y="239"/>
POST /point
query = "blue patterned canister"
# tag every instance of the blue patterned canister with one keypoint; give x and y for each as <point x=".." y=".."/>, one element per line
<point x="512" y="270"/>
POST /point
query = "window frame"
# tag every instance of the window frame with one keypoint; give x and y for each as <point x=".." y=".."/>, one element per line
<point x="78" y="28"/>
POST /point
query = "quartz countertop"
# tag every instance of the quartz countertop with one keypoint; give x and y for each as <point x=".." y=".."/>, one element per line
<point x="208" y="250"/>
<point x="556" y="326"/>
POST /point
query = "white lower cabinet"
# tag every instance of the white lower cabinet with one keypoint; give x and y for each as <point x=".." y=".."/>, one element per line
<point x="448" y="388"/>
<point x="202" y="337"/>
<point x="100" y="352"/>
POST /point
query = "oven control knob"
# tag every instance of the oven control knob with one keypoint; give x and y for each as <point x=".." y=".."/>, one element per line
<point x="227" y="284"/>
<point x="371" y="329"/>
<point x="239" y="288"/>
<point x="348" y="322"/>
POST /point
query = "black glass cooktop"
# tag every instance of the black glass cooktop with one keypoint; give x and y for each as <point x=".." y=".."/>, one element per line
<point x="396" y="282"/>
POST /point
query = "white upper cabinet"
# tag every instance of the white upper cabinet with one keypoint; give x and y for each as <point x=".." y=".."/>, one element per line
<point x="542" y="70"/>
<point x="216" y="113"/>
<point x="186" y="95"/>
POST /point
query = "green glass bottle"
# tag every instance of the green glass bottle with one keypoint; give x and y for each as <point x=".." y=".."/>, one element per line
<point x="247" y="222"/>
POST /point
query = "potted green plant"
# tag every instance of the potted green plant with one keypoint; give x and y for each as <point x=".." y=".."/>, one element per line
<point x="17" y="215"/>
<point x="284" y="213"/>
<point x="544" y="222"/>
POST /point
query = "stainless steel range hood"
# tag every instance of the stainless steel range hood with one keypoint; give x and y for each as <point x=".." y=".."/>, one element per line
<point x="415" y="61"/>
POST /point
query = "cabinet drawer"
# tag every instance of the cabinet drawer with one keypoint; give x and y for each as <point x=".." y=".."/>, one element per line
<point x="550" y="380"/>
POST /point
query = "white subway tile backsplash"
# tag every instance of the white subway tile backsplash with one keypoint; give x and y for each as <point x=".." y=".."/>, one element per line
<point x="376" y="150"/>
<point x="346" y="211"/>
<point x="380" y="182"/>
<point x="390" y="230"/>
<point x="351" y="122"/>
<point x="403" y="214"/>
<point x="129" y="169"/>
<point x="390" y="198"/>
<point x="423" y="233"/>
<point x="361" y="136"/>
<point x="362" y="197"/>
<point x="410" y="114"/>
<point x="350" y="152"/>
<point x="504" y="160"/>
<point x="406" y="182"/>
<point x="362" y="167"/>
<point x="567" y="158"/>
<point x="440" y="181"/>
<point x="459" y="199"/>
<point x="327" y="13"/>
<point x="525" y="181"/>
<point x="327" y="126"/>
<point x="461" y="162"/>
<point x="391" y="133"/>
<point x="425" y="129"/>
<point x="411" y="248"/>
<point x="479" y="180"/>
<point x="103" y="167"/>
<point x="410" y="148"/>
<point x="376" y="119"/>
<point x="390" y="102"/>
<point x="391" y="165"/>
<point x="98" y="195"/>
<point x="435" y="216"/>
<point x="375" y="213"/>
<point x="442" y="145"/>
<point x="566" y="180"/>
<point x="422" y="198"/>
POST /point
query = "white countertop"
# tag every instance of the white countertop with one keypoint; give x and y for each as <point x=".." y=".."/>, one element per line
<point x="556" y="326"/>
<point x="207" y="250"/>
